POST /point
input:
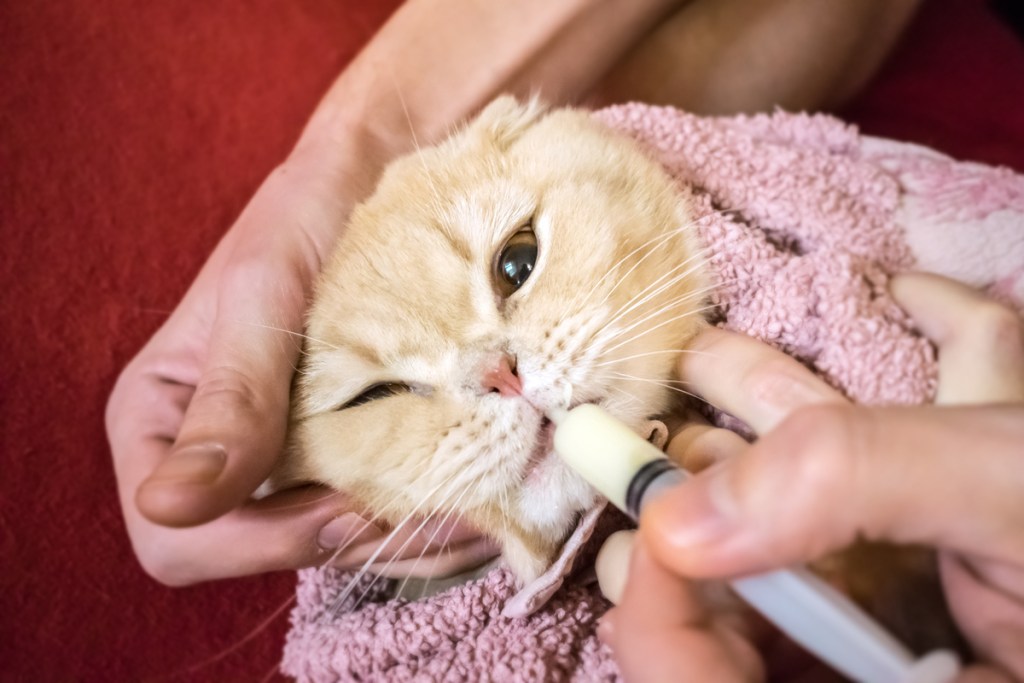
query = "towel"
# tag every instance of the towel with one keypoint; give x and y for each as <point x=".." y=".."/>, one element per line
<point x="806" y="220"/>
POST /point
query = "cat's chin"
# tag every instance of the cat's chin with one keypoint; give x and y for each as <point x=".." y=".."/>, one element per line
<point x="552" y="494"/>
<point x="544" y="450"/>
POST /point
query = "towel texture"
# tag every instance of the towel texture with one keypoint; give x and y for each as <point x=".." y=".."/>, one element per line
<point x="805" y="220"/>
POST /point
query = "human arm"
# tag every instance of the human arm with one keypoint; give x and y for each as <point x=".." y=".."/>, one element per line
<point x="950" y="477"/>
<point x="198" y="418"/>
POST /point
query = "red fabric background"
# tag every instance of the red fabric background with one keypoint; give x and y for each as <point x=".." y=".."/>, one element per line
<point x="131" y="135"/>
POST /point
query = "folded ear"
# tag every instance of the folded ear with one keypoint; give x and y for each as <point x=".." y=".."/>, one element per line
<point x="503" y="120"/>
<point x="657" y="433"/>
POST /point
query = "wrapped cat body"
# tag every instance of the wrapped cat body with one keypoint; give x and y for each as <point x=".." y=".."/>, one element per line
<point x="537" y="251"/>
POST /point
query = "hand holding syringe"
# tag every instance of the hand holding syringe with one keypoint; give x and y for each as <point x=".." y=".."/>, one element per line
<point x="949" y="477"/>
<point x="630" y="472"/>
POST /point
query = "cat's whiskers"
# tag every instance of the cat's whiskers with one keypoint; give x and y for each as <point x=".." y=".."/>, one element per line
<point x="662" y="383"/>
<point x="664" y="307"/>
<point x="585" y="301"/>
<point x="372" y="520"/>
<point x="675" y="276"/>
<point x="452" y="480"/>
<point x="657" y="287"/>
<point x="437" y="203"/>
<point x="292" y="333"/>
<point x="623" y="359"/>
<point x="652" y="246"/>
<point x="349" y="537"/>
<point x="606" y="331"/>
<point x="663" y="323"/>
<point x="614" y="336"/>
<point x="630" y="398"/>
<point x="313" y="501"/>
<point x="654" y="243"/>
<point x="453" y="506"/>
<point x="382" y="512"/>
<point x="234" y="647"/>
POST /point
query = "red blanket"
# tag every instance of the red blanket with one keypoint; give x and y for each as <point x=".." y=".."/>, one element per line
<point x="131" y="134"/>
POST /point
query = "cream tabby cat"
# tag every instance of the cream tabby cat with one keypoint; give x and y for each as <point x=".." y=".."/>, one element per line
<point x="532" y="254"/>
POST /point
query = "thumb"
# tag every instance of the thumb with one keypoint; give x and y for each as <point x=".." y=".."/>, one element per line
<point x="945" y="477"/>
<point x="234" y="427"/>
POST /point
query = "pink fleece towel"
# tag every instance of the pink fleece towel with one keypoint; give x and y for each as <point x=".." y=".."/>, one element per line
<point x="806" y="220"/>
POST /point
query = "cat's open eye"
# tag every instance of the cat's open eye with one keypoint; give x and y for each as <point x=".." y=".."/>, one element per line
<point x="515" y="261"/>
<point x="377" y="391"/>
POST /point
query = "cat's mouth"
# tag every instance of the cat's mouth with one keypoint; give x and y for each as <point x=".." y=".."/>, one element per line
<point x="543" y="448"/>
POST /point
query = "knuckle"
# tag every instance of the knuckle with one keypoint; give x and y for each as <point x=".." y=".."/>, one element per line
<point x="811" y="466"/>
<point x="821" y="460"/>
<point x="781" y="383"/>
<point x="229" y="385"/>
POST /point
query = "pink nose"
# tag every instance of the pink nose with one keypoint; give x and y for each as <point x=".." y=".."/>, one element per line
<point x="502" y="378"/>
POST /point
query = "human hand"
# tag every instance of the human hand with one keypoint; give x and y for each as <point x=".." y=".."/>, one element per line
<point x="948" y="477"/>
<point x="198" y="418"/>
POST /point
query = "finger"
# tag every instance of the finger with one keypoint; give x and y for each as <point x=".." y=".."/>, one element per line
<point x="661" y="631"/>
<point x="982" y="674"/>
<point x="987" y="600"/>
<point x="423" y="549"/>
<point x="787" y="661"/>
<point x="832" y="474"/>
<point x="139" y="432"/>
<point x="612" y="564"/>
<point x="981" y="343"/>
<point x="454" y="558"/>
<point x="275" y="533"/>
<point x="750" y="380"/>
<point x="234" y="426"/>
<point x="144" y="413"/>
<point x="698" y="446"/>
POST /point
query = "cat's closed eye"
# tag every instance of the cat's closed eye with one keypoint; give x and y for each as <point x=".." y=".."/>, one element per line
<point x="375" y="392"/>
<point x="515" y="261"/>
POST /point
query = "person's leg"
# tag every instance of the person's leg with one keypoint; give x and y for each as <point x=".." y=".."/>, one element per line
<point x="732" y="56"/>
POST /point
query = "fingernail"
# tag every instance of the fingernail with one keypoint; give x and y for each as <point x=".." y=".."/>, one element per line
<point x="698" y="513"/>
<point x="196" y="464"/>
<point x="346" y="531"/>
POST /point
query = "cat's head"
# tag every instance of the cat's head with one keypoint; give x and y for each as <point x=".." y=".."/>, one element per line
<point x="531" y="256"/>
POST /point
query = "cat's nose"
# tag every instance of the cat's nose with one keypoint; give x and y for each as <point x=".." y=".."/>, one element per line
<point x="500" y="376"/>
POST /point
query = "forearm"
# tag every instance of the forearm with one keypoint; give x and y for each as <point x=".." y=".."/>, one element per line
<point x="732" y="56"/>
<point x="436" y="62"/>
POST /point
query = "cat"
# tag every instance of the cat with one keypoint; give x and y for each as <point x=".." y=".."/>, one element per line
<point x="531" y="258"/>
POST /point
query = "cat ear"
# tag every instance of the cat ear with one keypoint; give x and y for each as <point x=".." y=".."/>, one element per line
<point x="657" y="433"/>
<point x="505" y="119"/>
